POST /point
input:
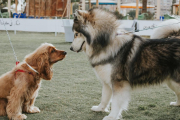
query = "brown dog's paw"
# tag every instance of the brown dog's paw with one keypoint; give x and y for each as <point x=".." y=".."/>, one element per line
<point x="19" y="117"/>
<point x="3" y="113"/>
<point x="34" y="109"/>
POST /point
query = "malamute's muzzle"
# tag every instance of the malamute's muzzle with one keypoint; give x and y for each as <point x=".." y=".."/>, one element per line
<point x="80" y="49"/>
<point x="78" y="42"/>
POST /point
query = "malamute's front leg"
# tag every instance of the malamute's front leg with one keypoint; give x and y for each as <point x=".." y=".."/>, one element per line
<point x="106" y="96"/>
<point x="120" y="99"/>
<point x="176" y="88"/>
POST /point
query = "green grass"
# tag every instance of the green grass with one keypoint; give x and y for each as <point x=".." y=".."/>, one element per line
<point x="74" y="88"/>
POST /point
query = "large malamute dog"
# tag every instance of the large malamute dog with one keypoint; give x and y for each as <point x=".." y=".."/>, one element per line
<point x="123" y="61"/>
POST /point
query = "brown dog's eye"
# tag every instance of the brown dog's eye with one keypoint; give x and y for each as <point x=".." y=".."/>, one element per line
<point x="52" y="51"/>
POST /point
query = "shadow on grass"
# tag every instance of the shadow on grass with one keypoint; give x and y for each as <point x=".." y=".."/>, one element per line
<point x="97" y="115"/>
<point x="4" y="118"/>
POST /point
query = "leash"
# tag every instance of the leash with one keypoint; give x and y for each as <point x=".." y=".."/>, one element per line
<point x="17" y="61"/>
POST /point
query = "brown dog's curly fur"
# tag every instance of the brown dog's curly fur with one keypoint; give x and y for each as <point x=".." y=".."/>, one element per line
<point x="18" y="90"/>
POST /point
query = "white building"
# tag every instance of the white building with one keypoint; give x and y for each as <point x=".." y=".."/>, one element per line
<point x="166" y="6"/>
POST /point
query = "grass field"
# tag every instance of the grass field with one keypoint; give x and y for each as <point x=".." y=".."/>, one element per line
<point x="74" y="88"/>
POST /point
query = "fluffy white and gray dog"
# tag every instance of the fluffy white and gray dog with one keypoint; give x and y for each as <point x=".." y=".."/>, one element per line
<point x="123" y="61"/>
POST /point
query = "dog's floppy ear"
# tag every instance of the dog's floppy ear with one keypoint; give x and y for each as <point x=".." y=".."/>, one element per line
<point x="44" y="68"/>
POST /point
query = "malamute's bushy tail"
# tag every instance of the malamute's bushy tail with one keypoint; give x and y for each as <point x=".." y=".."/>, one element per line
<point x="170" y="28"/>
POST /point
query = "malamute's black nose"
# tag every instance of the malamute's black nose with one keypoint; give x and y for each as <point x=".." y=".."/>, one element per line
<point x="71" y="48"/>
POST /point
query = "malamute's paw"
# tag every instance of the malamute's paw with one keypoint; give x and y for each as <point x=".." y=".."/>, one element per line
<point x="19" y="117"/>
<point x="174" y="104"/>
<point x="34" y="109"/>
<point x="98" y="109"/>
<point x="109" y="118"/>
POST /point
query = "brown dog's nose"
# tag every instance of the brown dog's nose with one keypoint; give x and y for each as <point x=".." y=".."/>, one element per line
<point x="65" y="53"/>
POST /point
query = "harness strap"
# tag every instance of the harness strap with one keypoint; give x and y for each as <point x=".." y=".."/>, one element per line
<point x="19" y="70"/>
<point x="17" y="62"/>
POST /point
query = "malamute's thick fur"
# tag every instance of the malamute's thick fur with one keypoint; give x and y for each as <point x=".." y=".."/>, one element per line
<point x="123" y="61"/>
<point x="167" y="29"/>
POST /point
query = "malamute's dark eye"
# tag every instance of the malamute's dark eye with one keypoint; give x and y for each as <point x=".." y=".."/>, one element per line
<point x="76" y="34"/>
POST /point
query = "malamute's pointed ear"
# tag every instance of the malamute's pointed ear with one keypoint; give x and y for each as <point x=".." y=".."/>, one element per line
<point x="80" y="15"/>
<point x="80" y="12"/>
<point x="75" y="18"/>
<point x="76" y="13"/>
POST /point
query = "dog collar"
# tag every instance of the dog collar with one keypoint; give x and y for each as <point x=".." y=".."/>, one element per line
<point x="32" y="68"/>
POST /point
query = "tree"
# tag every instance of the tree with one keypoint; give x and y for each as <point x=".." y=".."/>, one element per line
<point x="173" y="1"/>
<point x="144" y="6"/>
<point x="75" y="7"/>
<point x="2" y="4"/>
<point x="132" y="13"/>
<point x="118" y="15"/>
<point x="149" y="16"/>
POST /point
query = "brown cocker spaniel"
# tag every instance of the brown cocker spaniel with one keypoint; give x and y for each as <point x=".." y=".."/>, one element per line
<point x="19" y="87"/>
